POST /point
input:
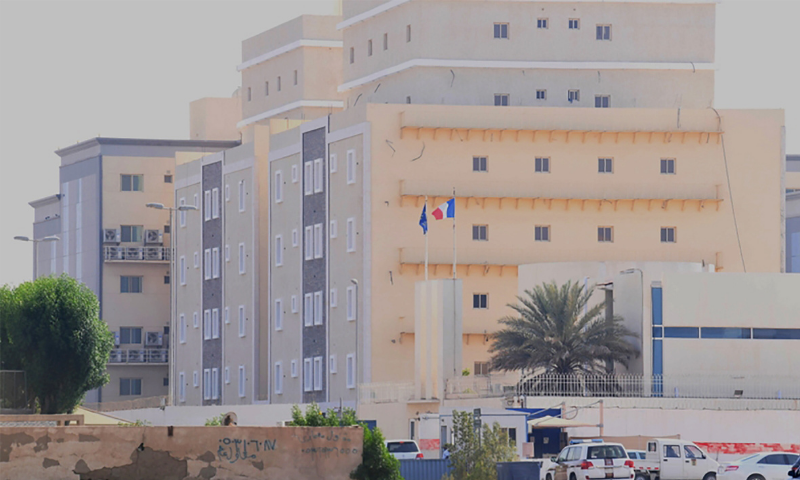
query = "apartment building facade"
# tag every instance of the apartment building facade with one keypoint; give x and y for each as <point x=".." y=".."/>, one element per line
<point x="119" y="248"/>
<point x="793" y="213"/>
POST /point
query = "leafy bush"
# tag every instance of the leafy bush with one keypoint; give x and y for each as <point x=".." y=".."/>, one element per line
<point x="215" y="421"/>
<point x="475" y="453"/>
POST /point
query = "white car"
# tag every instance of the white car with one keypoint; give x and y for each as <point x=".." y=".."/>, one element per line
<point x="403" y="449"/>
<point x="761" y="466"/>
<point x="592" y="460"/>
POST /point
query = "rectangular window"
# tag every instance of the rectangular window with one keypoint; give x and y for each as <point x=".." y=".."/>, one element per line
<point x="605" y="234"/>
<point x="500" y="99"/>
<point x="386" y="41"/>
<point x="195" y="320"/>
<point x="308" y="178"/>
<point x="128" y="284"/>
<point x="481" y="368"/>
<point x="501" y="30"/>
<point x="722" y="332"/>
<point x="668" y="166"/>
<point x="542" y="165"/>
<point x="352" y="55"/>
<point x="227" y="315"/>
<point x="242" y="259"/>
<point x="132" y="183"/>
<point x="266" y="89"/>
<point x="408" y="100"/>
<point x="602" y="101"/>
<point x="278" y="186"/>
<point x="207" y="205"/>
<point x="206" y="384"/>
<point x="351" y="303"/>
<point x="605" y="165"/>
<point x="242" y="193"/>
<point x="308" y="380"/>
<point x="278" y="378"/>
<point x="182" y="387"/>
<point x="308" y="310"/>
<point x="295" y="77"/>
<point x="215" y="203"/>
<point x="573" y="96"/>
<point x="332" y="363"/>
<point x="130" y="386"/>
<point x="278" y="314"/>
<point x="480" y="300"/>
<point x="668" y="235"/>
<point x="542" y="23"/>
<point x="278" y="250"/>
<point x="776" y="333"/>
<point x="196" y="259"/>
<point x="308" y="241"/>
<point x="279" y="84"/>
<point x="215" y="262"/>
<point x="294" y="303"/>
<point x="207" y="325"/>
<point x="214" y="383"/>
<point x="130" y="335"/>
<point x="318" y="240"/>
<point x="241" y="321"/>
<point x="293" y="369"/>
<point x="333" y="228"/>
<point x="215" y="323"/>
<point x="681" y="332"/>
<point x="574" y="24"/>
<point x="295" y="238"/>
<point x="182" y="213"/>
<point x="295" y="173"/>
<point x="541" y="94"/>
<point x="408" y="33"/>
<point x="207" y="264"/>
<point x="351" y="370"/>
<point x="351" y="167"/>
<point x="541" y="233"/>
<point x="131" y="233"/>
<point x="182" y="329"/>
<point x="480" y="232"/>
<point x="196" y="379"/>
<point x="317" y="308"/>
<point x="479" y="164"/>
<point x="318" y="176"/>
<point x="603" y="32"/>
<point x="227" y="253"/>
<point x="249" y="94"/>
<point x="318" y="371"/>
<point x="182" y="270"/>
<point x="369" y="47"/>
<point x="334" y="298"/>
<point x="227" y="193"/>
<point x="351" y="234"/>
<point x="227" y="375"/>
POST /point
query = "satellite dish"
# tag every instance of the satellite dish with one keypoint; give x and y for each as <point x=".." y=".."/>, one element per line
<point x="230" y="419"/>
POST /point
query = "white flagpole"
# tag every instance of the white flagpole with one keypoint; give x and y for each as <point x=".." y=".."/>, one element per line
<point x="426" y="239"/>
<point x="454" y="233"/>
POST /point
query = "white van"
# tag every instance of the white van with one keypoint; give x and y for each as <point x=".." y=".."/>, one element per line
<point x="670" y="459"/>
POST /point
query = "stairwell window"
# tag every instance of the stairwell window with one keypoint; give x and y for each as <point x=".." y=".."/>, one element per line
<point x="541" y="94"/>
<point x="308" y="310"/>
<point x="278" y="250"/>
<point x="605" y="234"/>
<point x="333" y="228"/>
<point x="318" y="239"/>
<point x="242" y="259"/>
<point x="308" y="178"/>
<point x="278" y="378"/>
<point x="227" y="315"/>
<point x="295" y="173"/>
<point x="351" y="234"/>
<point x="574" y="24"/>
<point x="182" y="387"/>
<point x="242" y="329"/>
<point x="542" y="23"/>
<point x="369" y="47"/>
<point x="541" y="233"/>
<point x="318" y="371"/>
<point x="668" y="166"/>
<point x="195" y="320"/>
<point x="207" y="264"/>
<point x="227" y="375"/>
<point x="351" y="303"/>
<point x="408" y="33"/>
<point x="352" y="55"/>
<point x="308" y="379"/>
<point x="227" y="253"/>
<point x="196" y="259"/>
<point x="332" y="363"/>
<point x="602" y="101"/>
<point x="182" y="270"/>
<point x="668" y="235"/>
<point x="386" y="41"/>
<point x="195" y="379"/>
<point x="501" y="99"/>
<point x="318" y="308"/>
<point x="215" y="203"/>
<point x="214" y="383"/>
<point x="605" y="165"/>
<point x="215" y="262"/>
<point x="480" y="301"/>
<point x="294" y="304"/>
<point x="603" y="32"/>
<point x="333" y="298"/>
<point x="278" y="186"/>
<point x="332" y="163"/>
<point x="278" y="314"/>
<point x="295" y="237"/>
<point x="182" y="213"/>
<point x="501" y="31"/>
<point x="215" y="323"/>
<point x="351" y="371"/>
<point x="206" y="384"/>
<point x="242" y="381"/>
<point x="351" y="167"/>
<point x="295" y="77"/>
<point x="541" y="165"/>
<point x="182" y="329"/>
<point x="279" y="84"/>
<point x="293" y="369"/>
<point x="249" y="94"/>
<point x="308" y="241"/>
<point x="479" y="164"/>
<point x="207" y="325"/>
<point x="319" y="179"/>
<point x="266" y="89"/>
<point x="480" y="233"/>
<point x="242" y="193"/>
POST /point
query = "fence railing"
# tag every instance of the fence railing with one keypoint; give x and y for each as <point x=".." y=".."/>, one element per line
<point x="136" y="254"/>
<point x="385" y="392"/>
<point x="149" y="355"/>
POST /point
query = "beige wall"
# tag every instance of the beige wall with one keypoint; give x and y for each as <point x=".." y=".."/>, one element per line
<point x="215" y="118"/>
<point x="312" y="27"/>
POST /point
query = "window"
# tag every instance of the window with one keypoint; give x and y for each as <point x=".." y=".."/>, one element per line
<point x="480" y="232"/>
<point x="278" y="186"/>
<point x="308" y="241"/>
<point x="369" y="47"/>
<point x="725" y="332"/>
<point x="294" y="303"/>
<point x="242" y="194"/>
<point x="351" y="167"/>
<point x="182" y="387"/>
<point x="408" y="99"/>
<point x="182" y="329"/>
<point x="241" y="259"/>
<point x="215" y="203"/>
<point x="352" y="55"/>
<point x="542" y="165"/>
<point x="672" y="451"/>
<point x="541" y="233"/>
<point x="278" y="378"/>
<point x="480" y="300"/>
<point x="573" y="96"/>
<point x="668" y="235"/>
<point x="182" y="213"/>
<point x="215" y="262"/>
<point x="690" y="451"/>
<point x="605" y="165"/>
<point x="317" y="308"/>
<point x="167" y="229"/>
<point x="332" y="363"/>
<point x="602" y="101"/>
<point x="351" y="370"/>
<point x="295" y="173"/>
<point x="408" y="33"/>
<point x="500" y="99"/>
<point x="318" y="373"/>
<point x="206" y="384"/>
<point x="318" y="240"/>
<point x="132" y="183"/>
<point x="196" y="203"/>
<point x="295" y="238"/>
<point x="241" y="321"/>
<point x="166" y="279"/>
<point x="308" y="310"/>
<point x="386" y="41"/>
<point x="195" y="320"/>
<point x="249" y="94"/>
<point x="278" y="250"/>
<point x="196" y="259"/>
<point x="481" y="368"/>
<point x="227" y="253"/>
<point x="501" y="30"/>
<point x="351" y="234"/>
<point x="603" y="32"/>
<point x="227" y="193"/>
<point x="574" y="24"/>
<point x="295" y="77"/>
<point x="227" y="315"/>
<point x="279" y="84"/>
<point x="334" y="298"/>
<point x="668" y="166"/>
<point x="207" y="264"/>
<point x="351" y="303"/>
<point x="266" y="89"/>
<point x="479" y="164"/>
<point x="130" y="335"/>
<point x="215" y="323"/>
<point x="332" y="165"/>
<point x="196" y="379"/>
<point x="227" y="375"/>
<point x="130" y="386"/>
<point x="207" y="205"/>
<point x="333" y="228"/>
<point x="542" y="23"/>
<point x="541" y="94"/>
<point x="278" y="314"/>
<point x="293" y="369"/>
<point x="308" y="178"/>
<point x="605" y="234"/>
<point x="308" y="381"/>
<point x="207" y="325"/>
<point x="214" y="383"/>
<point x="129" y="284"/>
<point x="318" y="176"/>
<point x="131" y="233"/>
<point x="182" y="268"/>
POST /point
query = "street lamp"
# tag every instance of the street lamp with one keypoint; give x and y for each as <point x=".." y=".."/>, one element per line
<point x="49" y="238"/>
<point x="172" y="303"/>
<point x="355" y="311"/>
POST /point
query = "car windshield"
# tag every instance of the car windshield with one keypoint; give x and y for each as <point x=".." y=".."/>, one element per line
<point x="402" y="447"/>
<point x="606" y="451"/>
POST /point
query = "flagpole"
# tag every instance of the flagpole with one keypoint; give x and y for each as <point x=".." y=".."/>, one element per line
<point x="454" y="233"/>
<point x="426" y="243"/>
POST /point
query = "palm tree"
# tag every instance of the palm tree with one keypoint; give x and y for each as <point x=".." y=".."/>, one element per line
<point x="552" y="334"/>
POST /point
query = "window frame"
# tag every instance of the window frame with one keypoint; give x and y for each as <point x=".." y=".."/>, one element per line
<point x="182" y="328"/>
<point x="605" y="161"/>
<point x="605" y="238"/>
<point x="279" y="186"/>
<point x="573" y="95"/>
<point x="603" y="99"/>
<point x="318" y="308"/>
<point x="207" y="324"/>
<point x="351" y="303"/>
<point x="319" y="240"/>
<point x="278" y="314"/>
<point x="480" y="163"/>
<point x="502" y="97"/>
<point x="542" y="23"/>
<point x="351" y="235"/>
<point x="278" y="378"/>
<point x="606" y="32"/>
<point x="665" y="234"/>
<point x="308" y="310"/>
<point x="242" y="259"/>
<point x="350" y="367"/>
<point x="482" y="301"/>
<point x="319" y="176"/>
<point x="541" y="233"/>
<point x="666" y="163"/>
<point x="541" y="165"/>
<point x="319" y="371"/>
<point x="242" y="322"/>
<point x="214" y="323"/>
<point x="242" y="196"/>
<point x="351" y="167"/>
<point x="577" y="24"/>
<point x="131" y="284"/>
<point x="500" y="33"/>
<point x="482" y="231"/>
<point x="132" y="184"/>
<point x="308" y="375"/>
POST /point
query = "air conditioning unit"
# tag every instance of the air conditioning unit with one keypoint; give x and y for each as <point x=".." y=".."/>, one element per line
<point x="136" y="356"/>
<point x="154" y="339"/>
<point x="116" y="339"/>
<point x="152" y="253"/>
<point x="153" y="237"/>
<point x="111" y="235"/>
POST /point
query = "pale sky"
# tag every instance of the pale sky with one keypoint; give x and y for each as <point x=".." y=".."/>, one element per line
<point x="70" y="71"/>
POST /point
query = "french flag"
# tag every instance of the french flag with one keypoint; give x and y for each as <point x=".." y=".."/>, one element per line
<point x="445" y="210"/>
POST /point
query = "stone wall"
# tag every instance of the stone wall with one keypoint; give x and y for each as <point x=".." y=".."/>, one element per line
<point x="176" y="453"/>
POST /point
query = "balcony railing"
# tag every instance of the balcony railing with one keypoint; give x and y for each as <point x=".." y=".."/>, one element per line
<point x="136" y="254"/>
<point x="146" y="356"/>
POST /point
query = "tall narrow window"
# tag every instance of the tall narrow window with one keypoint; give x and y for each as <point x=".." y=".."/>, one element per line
<point x="351" y="371"/>
<point x="242" y="381"/>
<point x="215" y="323"/>
<point x="333" y="229"/>
<point x="317" y="308"/>
<point x="215" y="262"/>
<point x="195" y="320"/>
<point x="278" y="186"/>
<point x="318" y="240"/>
<point x="278" y="250"/>
<point x="352" y="55"/>
<point x="182" y="387"/>
<point x="369" y="47"/>
<point x="207" y="325"/>
<point x="207" y="264"/>
<point x="242" y="259"/>
<point x="182" y="332"/>
<point x="333" y="298"/>
<point x="278" y="378"/>
<point x="266" y="89"/>
<point x="386" y="41"/>
<point x="308" y="178"/>
<point x="279" y="84"/>
<point x="318" y="371"/>
<point x="294" y="369"/>
<point x="207" y="205"/>
<point x="227" y="315"/>
<point x="294" y="304"/>
<point x="318" y="176"/>
<point x="182" y="270"/>
<point x="408" y="33"/>
<point x="214" y="383"/>
<point x="227" y="193"/>
<point x="278" y="314"/>
<point x="309" y="242"/>
<point x="332" y="165"/>
<point x="308" y="310"/>
<point x="206" y="384"/>
<point x="249" y="94"/>
<point x="332" y="363"/>
<point x="295" y="173"/>
<point x="182" y="213"/>
<point x="308" y="379"/>
<point x="351" y="166"/>
<point x="242" y="193"/>
<point x="295" y="237"/>
<point x="351" y="234"/>
<point x="196" y="259"/>
<point x="215" y="203"/>
<point x="351" y="303"/>
<point x="242" y="319"/>
<point x="295" y="77"/>
<point x="227" y="375"/>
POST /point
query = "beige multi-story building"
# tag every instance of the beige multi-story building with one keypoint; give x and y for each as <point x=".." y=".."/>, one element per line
<point x="119" y="248"/>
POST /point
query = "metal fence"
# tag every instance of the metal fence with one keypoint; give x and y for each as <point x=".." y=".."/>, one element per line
<point x="149" y="355"/>
<point x="14" y="393"/>
<point x="137" y="254"/>
<point x="424" y="469"/>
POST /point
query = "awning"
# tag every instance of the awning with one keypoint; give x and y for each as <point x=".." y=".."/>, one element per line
<point x="554" y="422"/>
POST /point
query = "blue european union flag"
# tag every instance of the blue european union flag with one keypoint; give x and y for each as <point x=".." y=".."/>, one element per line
<point x="423" y="220"/>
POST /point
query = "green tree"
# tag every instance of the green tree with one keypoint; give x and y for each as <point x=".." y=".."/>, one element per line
<point x="376" y="461"/>
<point x="476" y="452"/>
<point x="59" y="340"/>
<point x="9" y="358"/>
<point x="551" y="333"/>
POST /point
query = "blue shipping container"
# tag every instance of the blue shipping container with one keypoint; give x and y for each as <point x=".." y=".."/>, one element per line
<point x="422" y="469"/>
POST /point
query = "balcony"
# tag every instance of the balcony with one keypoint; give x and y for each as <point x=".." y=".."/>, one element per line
<point x="137" y="254"/>
<point x="139" y="356"/>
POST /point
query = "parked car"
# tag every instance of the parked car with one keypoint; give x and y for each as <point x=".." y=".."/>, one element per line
<point x="795" y="471"/>
<point x="591" y="460"/>
<point x="670" y="459"/>
<point x="403" y="449"/>
<point x="761" y="466"/>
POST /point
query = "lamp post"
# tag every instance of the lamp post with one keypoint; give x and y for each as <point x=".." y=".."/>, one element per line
<point x="355" y="311"/>
<point x="172" y="302"/>
<point x="50" y="238"/>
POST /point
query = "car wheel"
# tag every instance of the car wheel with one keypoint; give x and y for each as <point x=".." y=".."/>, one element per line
<point x="641" y="476"/>
<point x="712" y="476"/>
<point x="548" y="477"/>
<point x="572" y="476"/>
<point x="755" y="477"/>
